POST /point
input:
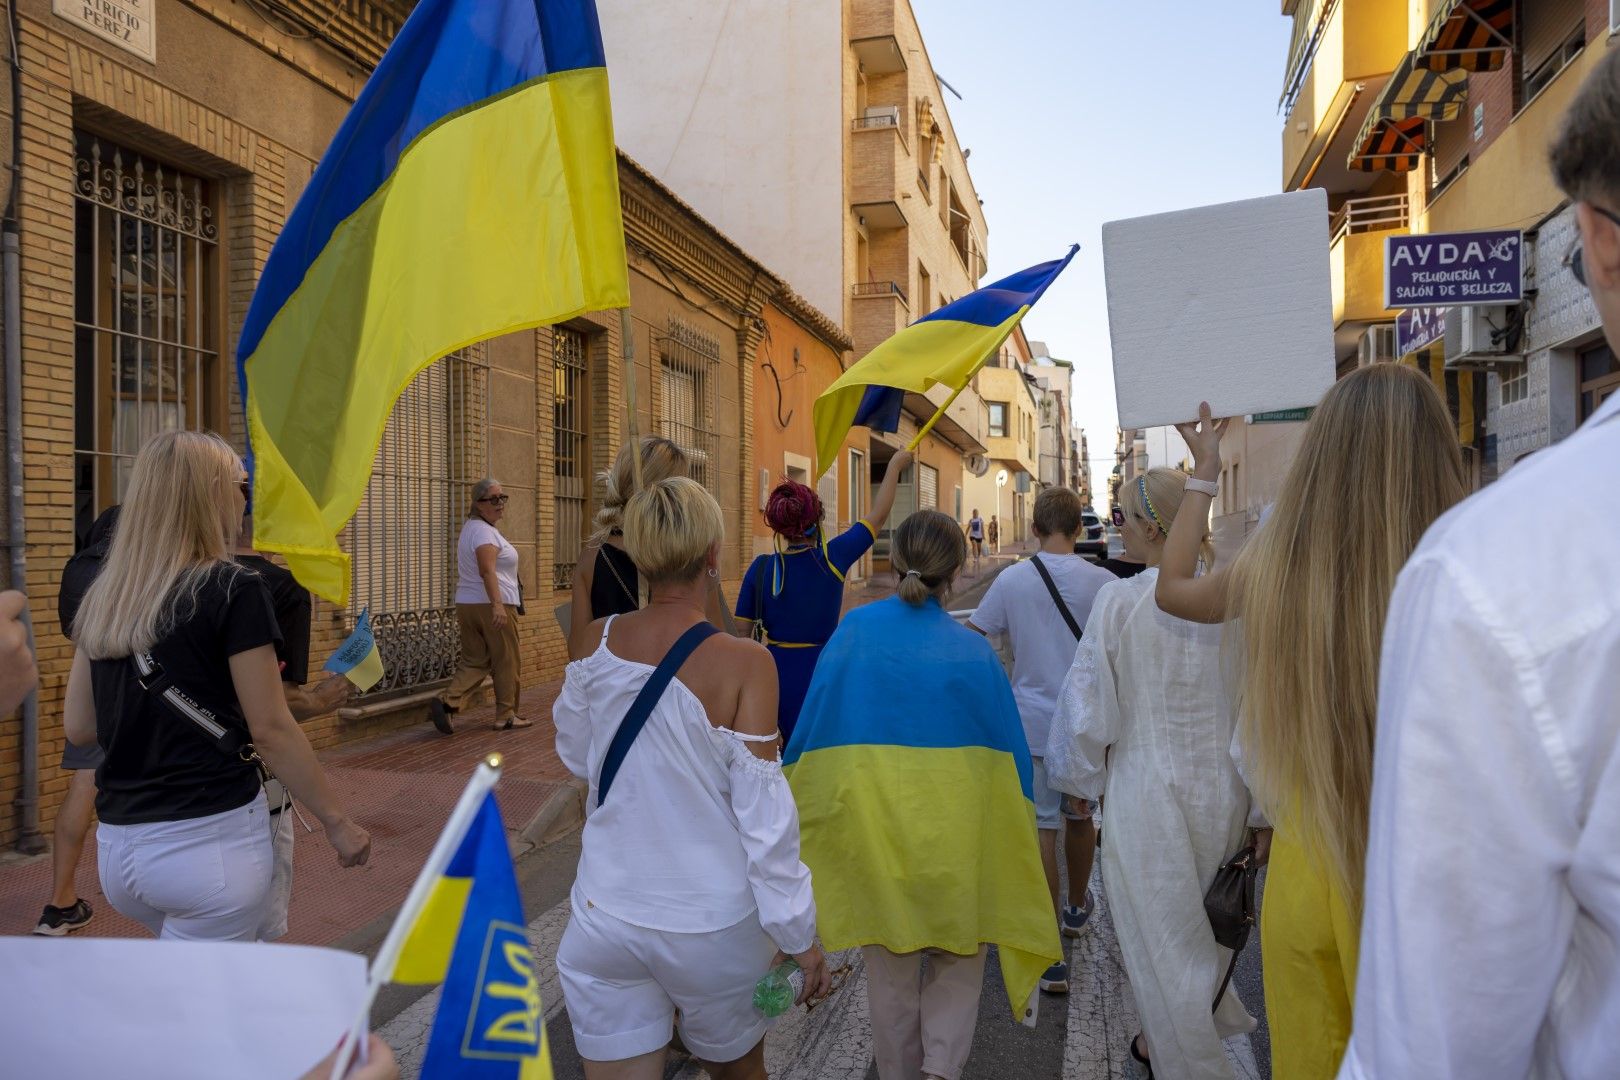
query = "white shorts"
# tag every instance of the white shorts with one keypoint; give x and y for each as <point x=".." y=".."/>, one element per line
<point x="624" y="983"/>
<point x="1049" y="812"/>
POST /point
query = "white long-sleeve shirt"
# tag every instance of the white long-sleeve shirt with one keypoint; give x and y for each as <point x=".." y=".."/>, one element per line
<point x="1492" y="911"/>
<point x="697" y="833"/>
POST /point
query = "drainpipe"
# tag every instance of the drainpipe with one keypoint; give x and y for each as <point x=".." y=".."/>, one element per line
<point x="29" y="840"/>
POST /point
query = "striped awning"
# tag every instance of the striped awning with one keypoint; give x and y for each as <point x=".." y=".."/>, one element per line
<point x="1395" y="135"/>
<point x="1468" y="35"/>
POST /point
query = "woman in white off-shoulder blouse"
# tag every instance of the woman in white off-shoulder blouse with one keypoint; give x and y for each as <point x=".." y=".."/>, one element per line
<point x="689" y="885"/>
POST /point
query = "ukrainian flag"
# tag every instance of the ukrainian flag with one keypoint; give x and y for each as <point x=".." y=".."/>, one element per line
<point x="916" y="804"/>
<point x="472" y="191"/>
<point x="946" y="346"/>
<point x="471" y="937"/>
<point x="357" y="659"/>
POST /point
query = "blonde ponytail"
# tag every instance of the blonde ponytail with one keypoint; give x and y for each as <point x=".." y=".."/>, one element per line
<point x="661" y="459"/>
<point x="927" y="550"/>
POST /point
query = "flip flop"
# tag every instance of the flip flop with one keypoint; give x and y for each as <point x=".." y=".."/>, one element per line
<point x="512" y="723"/>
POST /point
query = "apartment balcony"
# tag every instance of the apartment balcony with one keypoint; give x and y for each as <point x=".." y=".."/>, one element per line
<point x="881" y="168"/>
<point x="1339" y="61"/>
<point x="872" y="37"/>
<point x="1356" y="245"/>
<point x="964" y="424"/>
<point x="880" y="310"/>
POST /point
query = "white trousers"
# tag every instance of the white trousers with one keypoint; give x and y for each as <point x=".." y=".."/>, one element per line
<point x="202" y="879"/>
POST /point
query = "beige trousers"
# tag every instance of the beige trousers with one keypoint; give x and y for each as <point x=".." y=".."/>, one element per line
<point x="924" y="1007"/>
<point x="486" y="651"/>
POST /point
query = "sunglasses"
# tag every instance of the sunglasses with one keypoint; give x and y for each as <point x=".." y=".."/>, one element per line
<point x="246" y="488"/>
<point x="1574" y="260"/>
<point x="1119" y="517"/>
<point x="495" y="500"/>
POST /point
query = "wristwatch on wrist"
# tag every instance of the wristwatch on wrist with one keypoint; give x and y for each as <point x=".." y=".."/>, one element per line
<point x="1207" y="487"/>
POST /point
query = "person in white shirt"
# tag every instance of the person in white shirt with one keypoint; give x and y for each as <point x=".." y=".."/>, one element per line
<point x="689" y="885"/>
<point x="1492" y="912"/>
<point x="1020" y="604"/>
<point x="487" y="597"/>
<point x="1147" y="718"/>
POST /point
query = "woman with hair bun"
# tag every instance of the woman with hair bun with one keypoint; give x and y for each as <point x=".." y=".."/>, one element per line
<point x="797" y="593"/>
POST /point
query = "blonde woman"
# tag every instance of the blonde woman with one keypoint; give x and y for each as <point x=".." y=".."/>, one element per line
<point x="487" y="599"/>
<point x="689" y="885"/>
<point x="184" y="842"/>
<point x="605" y="578"/>
<point x="1378" y="464"/>
<point x="1145" y="718"/>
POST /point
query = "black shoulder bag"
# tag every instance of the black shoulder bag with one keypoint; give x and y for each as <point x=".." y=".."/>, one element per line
<point x="1229" y="903"/>
<point x="1057" y="597"/>
<point x="758" y="631"/>
<point x="642" y="707"/>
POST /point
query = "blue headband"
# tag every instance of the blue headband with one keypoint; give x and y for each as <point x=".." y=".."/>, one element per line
<point x="1141" y="487"/>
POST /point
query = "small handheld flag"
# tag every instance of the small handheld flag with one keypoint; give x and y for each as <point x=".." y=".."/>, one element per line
<point x="357" y="659"/>
<point x="946" y="346"/>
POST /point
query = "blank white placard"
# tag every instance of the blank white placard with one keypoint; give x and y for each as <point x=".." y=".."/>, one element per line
<point x="1230" y="304"/>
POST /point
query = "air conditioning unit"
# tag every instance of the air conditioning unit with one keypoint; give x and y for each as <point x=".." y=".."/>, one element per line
<point x="1377" y="345"/>
<point x="1477" y="338"/>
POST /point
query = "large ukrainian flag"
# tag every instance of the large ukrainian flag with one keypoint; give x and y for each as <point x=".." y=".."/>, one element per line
<point x="471" y="937"/>
<point x="946" y="346"/>
<point x="915" y="793"/>
<point x="472" y="191"/>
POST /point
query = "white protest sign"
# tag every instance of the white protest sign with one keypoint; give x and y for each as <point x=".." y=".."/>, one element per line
<point x="106" y="1007"/>
<point x="1229" y="304"/>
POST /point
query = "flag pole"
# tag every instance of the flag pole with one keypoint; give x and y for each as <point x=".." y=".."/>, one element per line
<point x="627" y="337"/>
<point x="932" y="420"/>
<point x="382" y="966"/>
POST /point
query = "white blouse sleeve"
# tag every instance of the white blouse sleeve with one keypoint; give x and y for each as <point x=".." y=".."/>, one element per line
<point x="1087" y="722"/>
<point x="572" y="716"/>
<point x="768" y="822"/>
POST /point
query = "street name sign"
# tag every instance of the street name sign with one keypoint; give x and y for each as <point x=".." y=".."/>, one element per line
<point x="1418" y="328"/>
<point x="1283" y="416"/>
<point x="125" y="23"/>
<point x="1230" y="304"/>
<point x="1453" y="269"/>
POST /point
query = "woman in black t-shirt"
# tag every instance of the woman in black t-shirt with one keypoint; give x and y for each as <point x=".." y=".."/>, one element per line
<point x="184" y="843"/>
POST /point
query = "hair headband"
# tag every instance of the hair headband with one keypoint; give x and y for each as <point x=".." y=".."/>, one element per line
<point x="1141" y="487"/>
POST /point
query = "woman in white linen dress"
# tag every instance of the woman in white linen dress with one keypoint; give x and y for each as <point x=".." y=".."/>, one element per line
<point x="1145" y="721"/>
<point x="689" y="884"/>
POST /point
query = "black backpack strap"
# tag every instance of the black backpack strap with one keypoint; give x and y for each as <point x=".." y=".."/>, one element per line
<point x="642" y="707"/>
<point x="1057" y="597"/>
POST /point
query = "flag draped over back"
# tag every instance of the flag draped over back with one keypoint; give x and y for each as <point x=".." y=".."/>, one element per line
<point x="472" y="191"/>
<point x="916" y="811"/>
<point x="471" y="936"/>
<point x="946" y="346"/>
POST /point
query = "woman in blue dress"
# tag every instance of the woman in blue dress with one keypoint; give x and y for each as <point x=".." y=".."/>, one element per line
<point x="798" y="592"/>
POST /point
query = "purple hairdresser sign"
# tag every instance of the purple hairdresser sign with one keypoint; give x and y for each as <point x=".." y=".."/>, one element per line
<point x="1454" y="269"/>
<point x="1417" y="328"/>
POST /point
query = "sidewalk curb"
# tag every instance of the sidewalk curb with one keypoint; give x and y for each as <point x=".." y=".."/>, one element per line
<point x="561" y="813"/>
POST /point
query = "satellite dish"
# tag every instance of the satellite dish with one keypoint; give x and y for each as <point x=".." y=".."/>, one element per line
<point x="976" y="464"/>
<point x="1001" y="478"/>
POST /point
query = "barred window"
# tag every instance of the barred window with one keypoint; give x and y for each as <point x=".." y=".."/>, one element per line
<point x="686" y="397"/>
<point x="570" y="439"/>
<point x="403" y="538"/>
<point x="145" y="314"/>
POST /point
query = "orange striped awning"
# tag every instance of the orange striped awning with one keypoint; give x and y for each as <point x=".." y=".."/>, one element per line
<point x="1468" y="35"/>
<point x="1395" y="135"/>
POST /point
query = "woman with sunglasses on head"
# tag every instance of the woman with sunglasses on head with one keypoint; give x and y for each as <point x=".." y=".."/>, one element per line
<point x="1308" y="594"/>
<point x="1145" y="718"/>
<point x="1132" y="562"/>
<point x="487" y="597"/>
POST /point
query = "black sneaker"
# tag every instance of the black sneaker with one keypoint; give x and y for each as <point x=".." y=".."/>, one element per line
<point x="440" y="714"/>
<point x="58" y="921"/>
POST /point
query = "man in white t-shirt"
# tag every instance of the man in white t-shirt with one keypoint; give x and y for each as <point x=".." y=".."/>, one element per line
<point x="1044" y="638"/>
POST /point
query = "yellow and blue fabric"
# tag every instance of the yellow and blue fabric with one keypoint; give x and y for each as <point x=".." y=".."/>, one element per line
<point x="798" y="594"/>
<point x="913" y="781"/>
<point x="946" y="346"/>
<point x="471" y="191"/>
<point x="471" y="937"/>
<point x="357" y="659"/>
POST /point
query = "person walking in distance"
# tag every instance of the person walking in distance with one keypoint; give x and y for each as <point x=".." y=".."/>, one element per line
<point x="975" y="535"/>
<point x="1492" y="912"/>
<point x="1041" y="605"/>
<point x="487" y="598"/>
<point x="993" y="534"/>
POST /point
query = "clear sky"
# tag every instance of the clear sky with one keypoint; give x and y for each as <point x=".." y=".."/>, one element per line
<point x="1079" y="112"/>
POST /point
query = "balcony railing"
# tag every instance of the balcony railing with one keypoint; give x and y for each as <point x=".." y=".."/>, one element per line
<point x="1375" y="213"/>
<point x="880" y="288"/>
<point x="877" y="120"/>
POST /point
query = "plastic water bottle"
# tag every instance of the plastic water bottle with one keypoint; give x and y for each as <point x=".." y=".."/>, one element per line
<point x="779" y="988"/>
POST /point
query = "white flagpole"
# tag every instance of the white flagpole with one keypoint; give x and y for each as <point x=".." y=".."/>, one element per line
<point x="382" y="966"/>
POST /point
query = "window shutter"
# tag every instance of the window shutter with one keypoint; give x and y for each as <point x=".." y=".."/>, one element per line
<point x="1451" y="141"/>
<point x="928" y="488"/>
<point x="1546" y="25"/>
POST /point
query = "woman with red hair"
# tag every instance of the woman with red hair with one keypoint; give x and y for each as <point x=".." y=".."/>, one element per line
<point x="797" y="593"/>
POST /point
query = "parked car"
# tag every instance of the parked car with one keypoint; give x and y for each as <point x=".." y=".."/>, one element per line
<point x="1093" y="544"/>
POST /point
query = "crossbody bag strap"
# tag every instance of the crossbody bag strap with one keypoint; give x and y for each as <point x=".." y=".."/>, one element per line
<point x="642" y="707"/>
<point x="154" y="680"/>
<point x="1057" y="597"/>
<point x="614" y="570"/>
